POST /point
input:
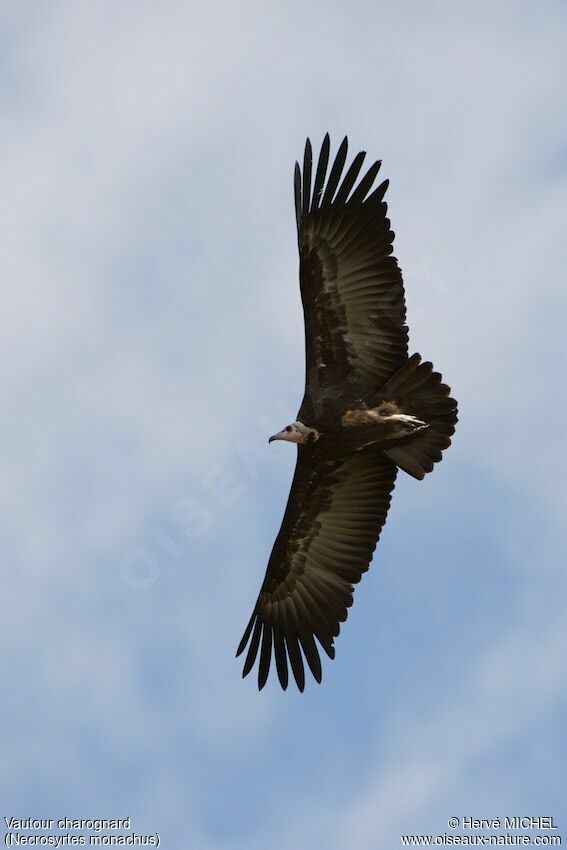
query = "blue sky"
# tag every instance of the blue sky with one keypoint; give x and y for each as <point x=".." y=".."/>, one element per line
<point x="151" y="340"/>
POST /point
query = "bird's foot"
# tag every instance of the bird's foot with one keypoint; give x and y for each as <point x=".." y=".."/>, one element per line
<point x="406" y="424"/>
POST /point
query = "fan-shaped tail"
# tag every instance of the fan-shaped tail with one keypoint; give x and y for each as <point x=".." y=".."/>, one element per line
<point x="419" y="391"/>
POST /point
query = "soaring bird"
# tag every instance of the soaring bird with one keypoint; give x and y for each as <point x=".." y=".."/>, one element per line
<point x="368" y="410"/>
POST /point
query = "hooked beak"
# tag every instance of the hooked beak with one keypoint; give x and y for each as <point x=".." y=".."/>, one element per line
<point x="281" y="435"/>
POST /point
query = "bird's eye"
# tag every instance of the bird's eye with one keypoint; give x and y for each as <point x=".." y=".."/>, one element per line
<point x="288" y="429"/>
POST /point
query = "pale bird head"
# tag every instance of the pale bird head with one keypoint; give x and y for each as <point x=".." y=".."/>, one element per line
<point x="297" y="432"/>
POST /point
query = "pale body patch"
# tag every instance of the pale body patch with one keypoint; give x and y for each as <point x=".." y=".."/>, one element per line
<point x="366" y="416"/>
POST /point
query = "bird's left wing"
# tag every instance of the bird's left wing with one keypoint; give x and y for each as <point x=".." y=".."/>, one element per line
<point x="351" y="286"/>
<point x="332" y="522"/>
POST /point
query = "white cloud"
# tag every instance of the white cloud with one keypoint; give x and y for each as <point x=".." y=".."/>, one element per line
<point x="496" y="705"/>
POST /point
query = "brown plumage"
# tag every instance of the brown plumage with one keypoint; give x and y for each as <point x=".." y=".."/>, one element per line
<point x="367" y="410"/>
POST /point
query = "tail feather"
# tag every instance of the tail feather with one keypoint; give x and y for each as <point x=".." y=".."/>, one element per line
<point x="420" y="392"/>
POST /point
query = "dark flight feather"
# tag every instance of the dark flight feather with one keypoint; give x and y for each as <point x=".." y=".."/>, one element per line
<point x="350" y="179"/>
<point x="320" y="173"/>
<point x="335" y="174"/>
<point x="307" y="166"/>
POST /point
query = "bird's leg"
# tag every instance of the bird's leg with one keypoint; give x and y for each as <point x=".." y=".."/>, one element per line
<point x="386" y="420"/>
<point x="404" y="424"/>
<point x="380" y="425"/>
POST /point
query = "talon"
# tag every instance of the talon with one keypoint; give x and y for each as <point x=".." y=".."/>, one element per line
<point x="409" y="424"/>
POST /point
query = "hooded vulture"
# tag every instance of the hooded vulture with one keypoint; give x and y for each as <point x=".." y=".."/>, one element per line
<point x="368" y="410"/>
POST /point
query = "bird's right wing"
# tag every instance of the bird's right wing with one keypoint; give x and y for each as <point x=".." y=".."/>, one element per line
<point x="332" y="522"/>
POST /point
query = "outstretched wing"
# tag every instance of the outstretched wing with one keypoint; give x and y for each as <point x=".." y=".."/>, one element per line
<point x="351" y="286"/>
<point x="332" y="522"/>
